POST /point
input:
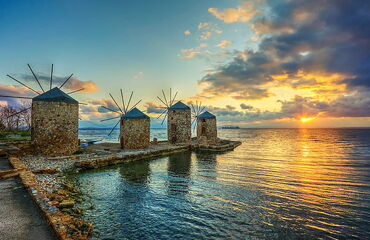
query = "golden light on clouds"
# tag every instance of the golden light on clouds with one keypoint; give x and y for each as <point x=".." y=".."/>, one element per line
<point x="307" y="119"/>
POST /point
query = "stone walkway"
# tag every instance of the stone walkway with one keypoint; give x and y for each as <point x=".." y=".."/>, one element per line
<point x="19" y="216"/>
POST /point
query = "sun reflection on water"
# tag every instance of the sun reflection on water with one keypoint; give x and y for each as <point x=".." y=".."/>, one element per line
<point x="280" y="183"/>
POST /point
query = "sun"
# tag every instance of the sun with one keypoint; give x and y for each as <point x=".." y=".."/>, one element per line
<point x="306" y="119"/>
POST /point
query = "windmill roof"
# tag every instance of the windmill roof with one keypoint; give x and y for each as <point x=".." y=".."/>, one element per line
<point x="206" y="114"/>
<point x="179" y="105"/>
<point x="136" y="114"/>
<point x="55" y="95"/>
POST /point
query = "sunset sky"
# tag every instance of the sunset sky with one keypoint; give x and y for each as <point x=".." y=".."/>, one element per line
<point x="263" y="63"/>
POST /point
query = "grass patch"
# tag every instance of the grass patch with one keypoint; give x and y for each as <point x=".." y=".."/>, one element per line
<point x="15" y="135"/>
<point x="81" y="151"/>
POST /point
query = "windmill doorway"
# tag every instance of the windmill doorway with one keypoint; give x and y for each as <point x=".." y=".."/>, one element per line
<point x="173" y="133"/>
<point x="203" y="131"/>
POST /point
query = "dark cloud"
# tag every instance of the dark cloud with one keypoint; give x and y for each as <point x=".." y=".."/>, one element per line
<point x="308" y="36"/>
<point x="246" y="107"/>
<point x="72" y="84"/>
<point x="356" y="105"/>
<point x="106" y="103"/>
<point x="152" y="107"/>
<point x="225" y="114"/>
<point x="13" y="90"/>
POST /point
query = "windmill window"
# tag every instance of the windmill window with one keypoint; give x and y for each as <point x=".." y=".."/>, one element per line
<point x="203" y="131"/>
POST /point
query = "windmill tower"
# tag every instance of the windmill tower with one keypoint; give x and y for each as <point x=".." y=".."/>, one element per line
<point x="134" y="125"/>
<point x="178" y="120"/>
<point x="54" y="118"/>
<point x="205" y="123"/>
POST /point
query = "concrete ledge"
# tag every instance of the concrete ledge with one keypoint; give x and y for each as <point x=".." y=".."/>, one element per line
<point x="116" y="159"/>
<point x="227" y="146"/>
<point x="65" y="226"/>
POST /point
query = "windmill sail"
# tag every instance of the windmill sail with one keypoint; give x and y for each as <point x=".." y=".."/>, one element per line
<point x="167" y="104"/>
<point x="121" y="110"/>
<point x="38" y="82"/>
<point x="197" y="110"/>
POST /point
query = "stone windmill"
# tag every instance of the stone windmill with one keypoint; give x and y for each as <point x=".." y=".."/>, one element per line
<point x="134" y="124"/>
<point x="205" y="123"/>
<point x="178" y="119"/>
<point x="54" y="118"/>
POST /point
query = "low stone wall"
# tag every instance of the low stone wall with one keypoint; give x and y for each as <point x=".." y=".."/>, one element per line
<point x="18" y="148"/>
<point x="65" y="226"/>
<point x="117" y="159"/>
<point x="221" y="147"/>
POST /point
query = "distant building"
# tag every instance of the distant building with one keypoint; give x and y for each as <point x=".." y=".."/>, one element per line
<point x="179" y="123"/>
<point x="207" y="127"/>
<point x="54" y="124"/>
<point x="135" y="130"/>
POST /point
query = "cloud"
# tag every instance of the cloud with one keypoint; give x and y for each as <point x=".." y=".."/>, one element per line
<point x="188" y="53"/>
<point x="14" y="90"/>
<point x="355" y="105"/>
<point x="204" y="25"/>
<point x="152" y="107"/>
<point x="191" y="52"/>
<point x="187" y="32"/>
<point x="138" y="76"/>
<point x="205" y="35"/>
<point x="229" y="114"/>
<point x="242" y="13"/>
<point x="246" y="107"/>
<point x="311" y="45"/>
<point x="72" y="84"/>
<point x="94" y="111"/>
<point x="224" y="43"/>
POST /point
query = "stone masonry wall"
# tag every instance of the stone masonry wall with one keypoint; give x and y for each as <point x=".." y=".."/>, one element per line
<point x="207" y="127"/>
<point x="55" y="128"/>
<point x="179" y="126"/>
<point x="135" y="133"/>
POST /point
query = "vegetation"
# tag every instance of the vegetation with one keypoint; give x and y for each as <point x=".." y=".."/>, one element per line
<point x="15" y="135"/>
<point x="81" y="151"/>
<point x="15" y="122"/>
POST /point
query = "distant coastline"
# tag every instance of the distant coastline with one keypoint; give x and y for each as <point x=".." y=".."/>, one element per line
<point x="237" y="127"/>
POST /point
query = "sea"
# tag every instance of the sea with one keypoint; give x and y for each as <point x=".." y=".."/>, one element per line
<point x="279" y="184"/>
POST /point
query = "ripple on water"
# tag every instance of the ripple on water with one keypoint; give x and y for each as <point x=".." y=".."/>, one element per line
<point x="281" y="183"/>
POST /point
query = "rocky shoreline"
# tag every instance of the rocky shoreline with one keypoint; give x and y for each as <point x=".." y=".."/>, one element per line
<point x="44" y="177"/>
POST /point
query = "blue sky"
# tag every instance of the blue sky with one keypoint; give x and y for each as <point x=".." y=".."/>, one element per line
<point x="108" y="42"/>
<point x="253" y="63"/>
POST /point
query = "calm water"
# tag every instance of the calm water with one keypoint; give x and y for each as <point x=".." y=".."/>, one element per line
<point x="280" y="183"/>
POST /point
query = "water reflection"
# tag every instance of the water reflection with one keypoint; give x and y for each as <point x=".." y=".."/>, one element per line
<point x="281" y="183"/>
<point x="136" y="172"/>
<point x="206" y="164"/>
<point x="179" y="169"/>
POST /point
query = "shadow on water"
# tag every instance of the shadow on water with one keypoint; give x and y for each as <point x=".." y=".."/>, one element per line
<point x="137" y="172"/>
<point x="179" y="177"/>
<point x="206" y="164"/>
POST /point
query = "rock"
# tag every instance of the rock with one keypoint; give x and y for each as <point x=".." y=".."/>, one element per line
<point x="46" y="171"/>
<point x="69" y="187"/>
<point x="9" y="175"/>
<point x="77" y="210"/>
<point x="67" y="204"/>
